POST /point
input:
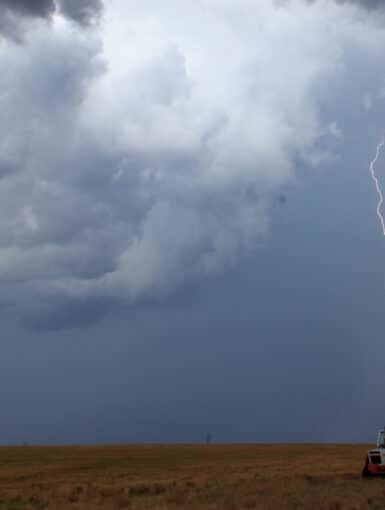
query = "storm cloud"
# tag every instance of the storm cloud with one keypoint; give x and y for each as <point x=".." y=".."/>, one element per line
<point x="39" y="8"/>
<point x="83" y="11"/>
<point x="366" y="4"/>
<point x="143" y="157"/>
<point x="16" y="16"/>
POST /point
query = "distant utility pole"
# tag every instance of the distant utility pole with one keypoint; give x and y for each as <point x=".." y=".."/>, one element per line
<point x="208" y="438"/>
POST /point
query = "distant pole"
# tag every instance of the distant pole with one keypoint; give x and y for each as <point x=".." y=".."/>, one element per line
<point x="208" y="438"/>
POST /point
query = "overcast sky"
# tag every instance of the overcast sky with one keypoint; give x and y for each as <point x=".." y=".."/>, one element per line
<point x="188" y="230"/>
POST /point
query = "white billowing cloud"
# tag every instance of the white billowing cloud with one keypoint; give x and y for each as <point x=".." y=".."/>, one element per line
<point x="144" y="154"/>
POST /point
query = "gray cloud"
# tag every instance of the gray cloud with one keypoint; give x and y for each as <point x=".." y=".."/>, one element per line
<point x="367" y="4"/>
<point x="82" y="11"/>
<point x="127" y="172"/>
<point x="39" y="8"/>
<point x="16" y="16"/>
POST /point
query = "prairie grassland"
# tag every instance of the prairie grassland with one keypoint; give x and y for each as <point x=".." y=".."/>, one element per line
<point x="216" y="477"/>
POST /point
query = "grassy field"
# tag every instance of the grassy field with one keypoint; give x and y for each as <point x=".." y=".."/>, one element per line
<point x="188" y="477"/>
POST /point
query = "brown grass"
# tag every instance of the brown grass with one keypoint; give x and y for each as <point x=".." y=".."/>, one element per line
<point x="265" y="477"/>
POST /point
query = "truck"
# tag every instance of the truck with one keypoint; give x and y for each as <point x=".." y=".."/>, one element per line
<point x="375" y="458"/>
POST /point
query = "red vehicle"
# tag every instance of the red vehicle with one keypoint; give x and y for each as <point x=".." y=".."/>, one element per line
<point x="375" y="459"/>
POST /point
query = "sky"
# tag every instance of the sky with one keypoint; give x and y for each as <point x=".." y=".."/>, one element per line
<point x="188" y="232"/>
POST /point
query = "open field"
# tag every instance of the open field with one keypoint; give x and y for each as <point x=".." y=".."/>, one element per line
<point x="188" y="477"/>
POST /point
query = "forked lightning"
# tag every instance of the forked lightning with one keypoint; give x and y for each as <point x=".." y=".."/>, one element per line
<point x="377" y="184"/>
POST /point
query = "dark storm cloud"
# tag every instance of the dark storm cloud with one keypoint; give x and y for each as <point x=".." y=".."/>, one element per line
<point x="15" y="15"/>
<point x="366" y="4"/>
<point x="39" y="8"/>
<point x="118" y="198"/>
<point x="126" y="174"/>
<point x="82" y="11"/>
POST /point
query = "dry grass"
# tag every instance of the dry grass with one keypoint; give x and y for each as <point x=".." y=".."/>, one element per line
<point x="266" y="477"/>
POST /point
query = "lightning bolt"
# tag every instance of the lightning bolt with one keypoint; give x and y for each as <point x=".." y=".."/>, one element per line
<point x="377" y="184"/>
